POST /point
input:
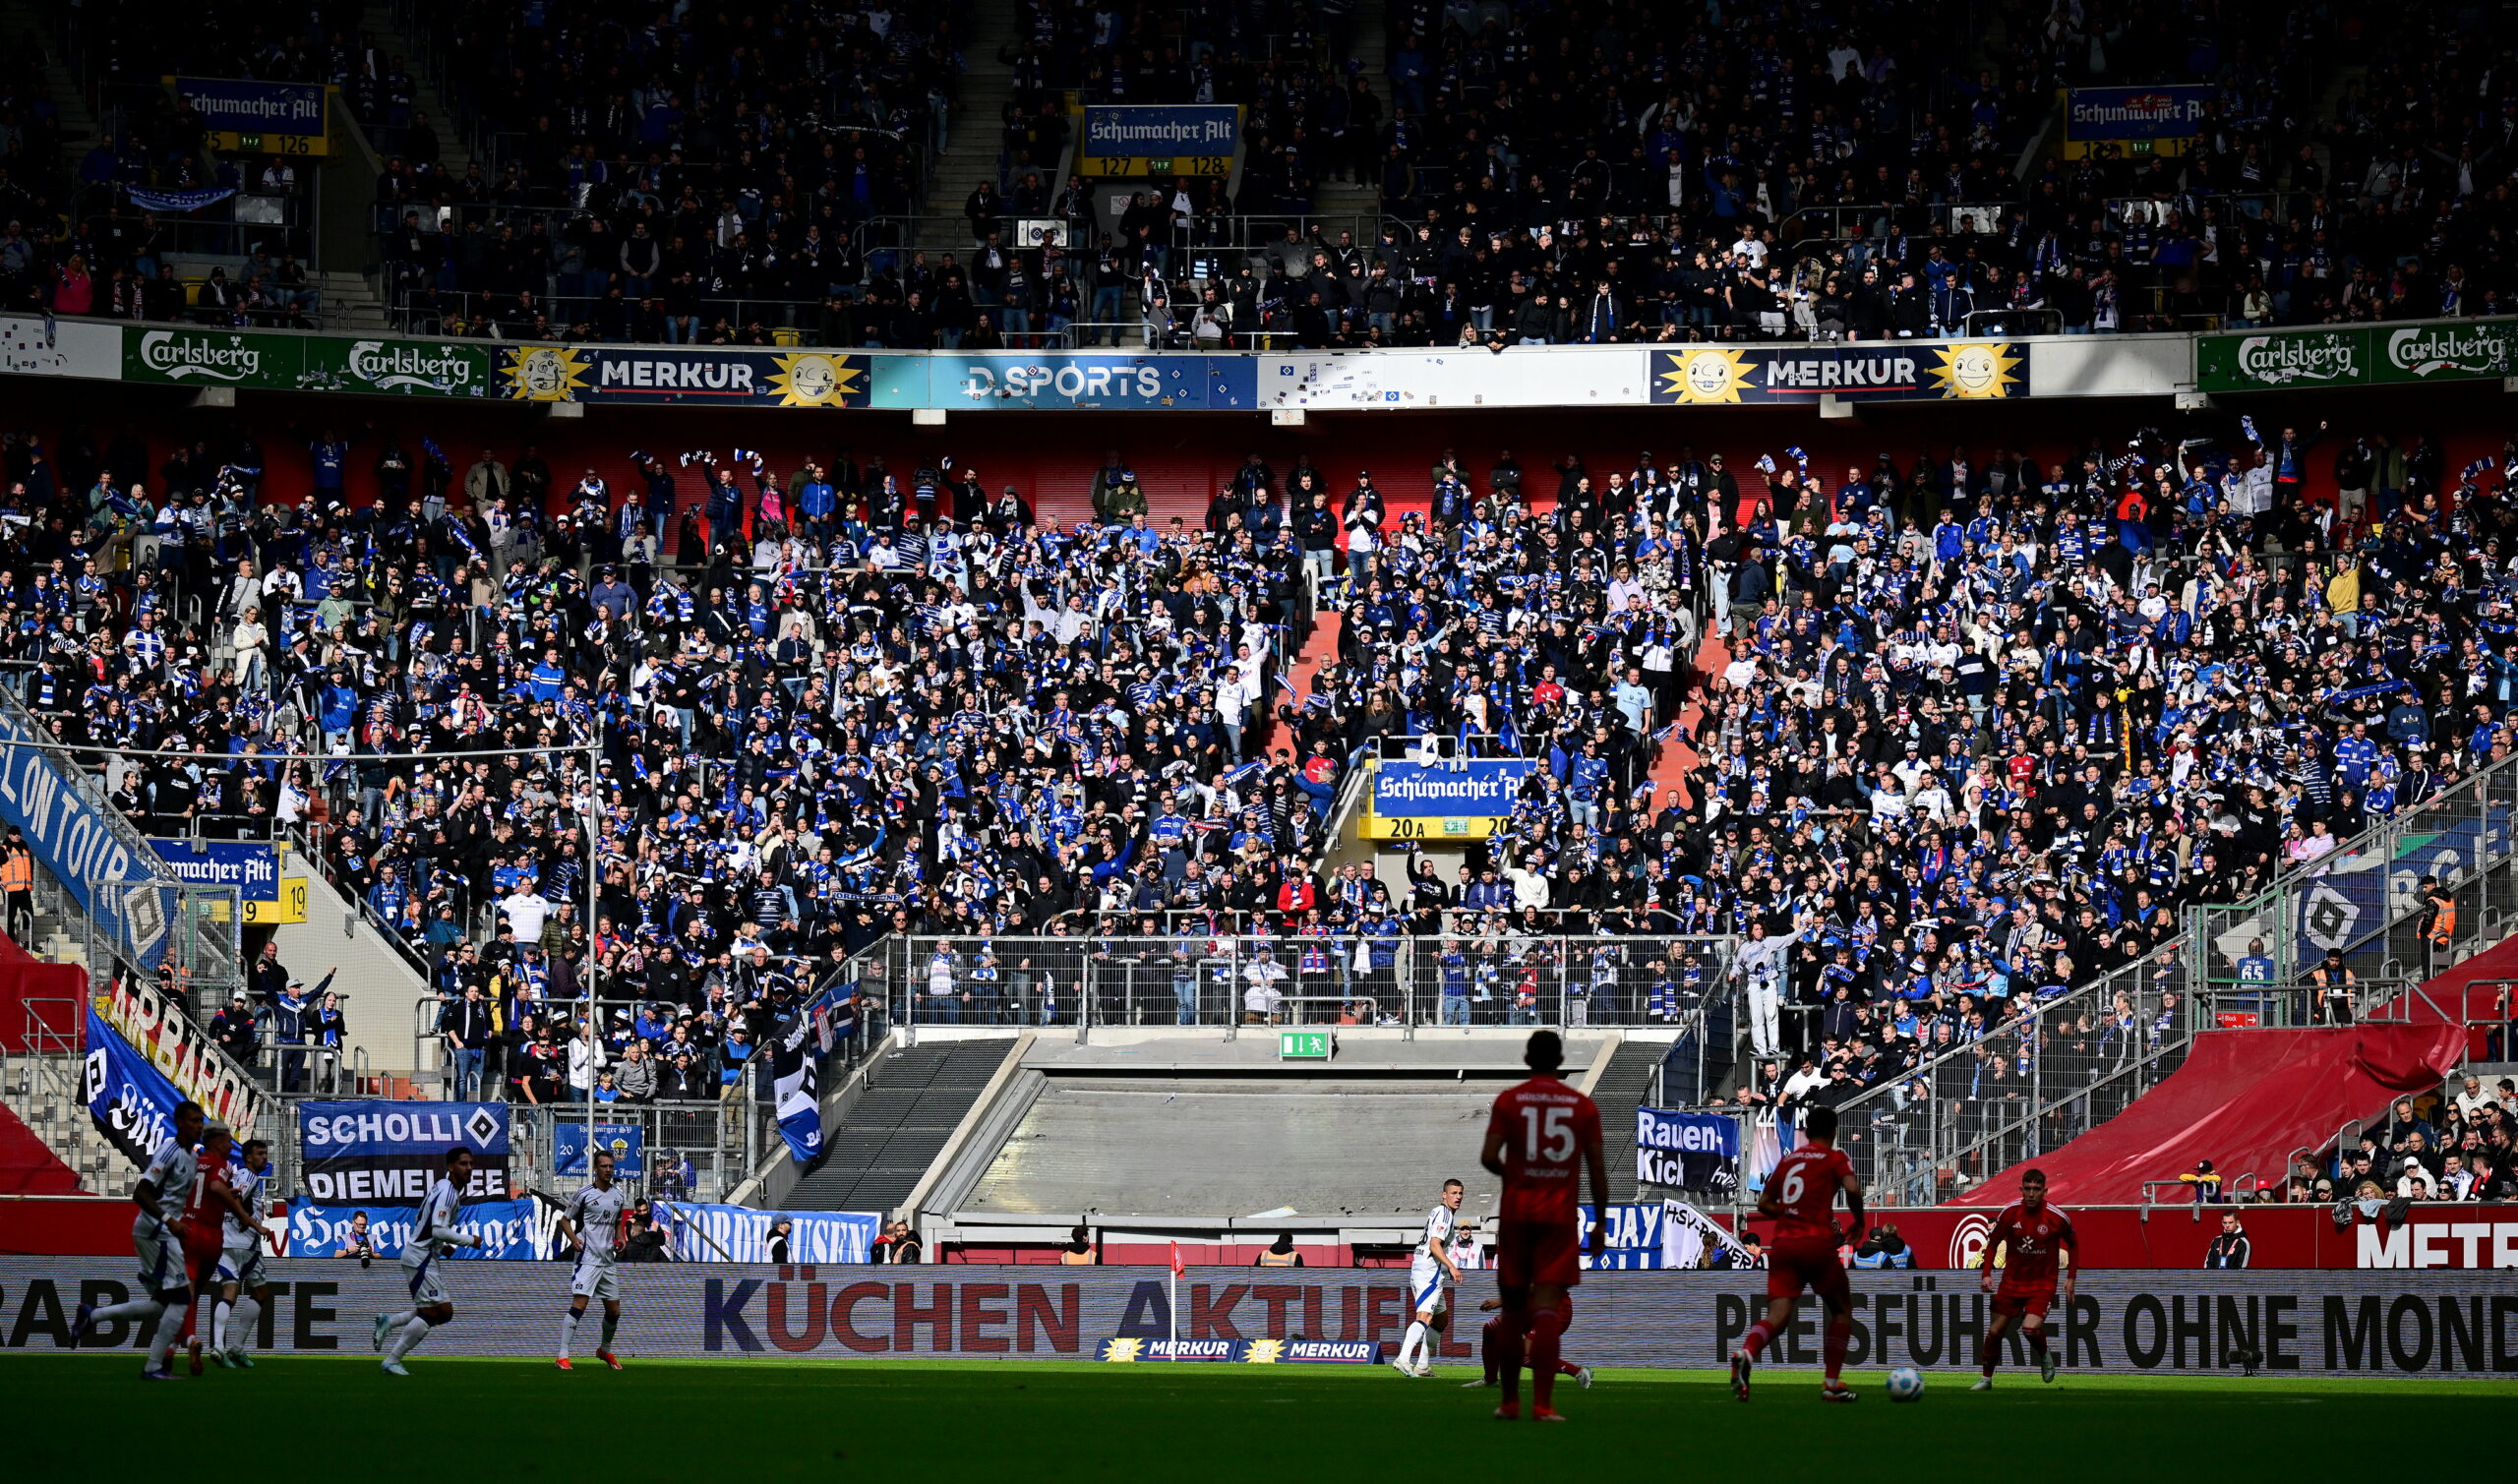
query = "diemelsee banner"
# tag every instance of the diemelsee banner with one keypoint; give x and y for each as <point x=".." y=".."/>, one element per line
<point x="2296" y="1324"/>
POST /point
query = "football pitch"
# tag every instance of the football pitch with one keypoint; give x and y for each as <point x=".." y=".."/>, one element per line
<point x="86" y="1417"/>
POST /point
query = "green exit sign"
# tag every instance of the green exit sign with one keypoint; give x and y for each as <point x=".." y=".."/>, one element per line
<point x="1305" y="1045"/>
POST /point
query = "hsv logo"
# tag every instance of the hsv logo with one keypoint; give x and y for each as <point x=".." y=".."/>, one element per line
<point x="1967" y="1240"/>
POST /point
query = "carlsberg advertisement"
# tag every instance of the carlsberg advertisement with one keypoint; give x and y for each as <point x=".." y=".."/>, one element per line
<point x="2445" y="350"/>
<point x="305" y="362"/>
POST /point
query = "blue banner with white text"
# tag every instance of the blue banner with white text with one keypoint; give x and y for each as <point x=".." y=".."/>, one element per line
<point x="252" y="866"/>
<point x="511" y="1229"/>
<point x="2174" y="111"/>
<point x="131" y="1101"/>
<point x="702" y="1233"/>
<point x="376" y="1153"/>
<point x="1687" y="1151"/>
<point x="75" y="839"/>
<point x="1140" y="131"/>
<point x="625" y="1143"/>
<point x="240" y="106"/>
<point x="1467" y="787"/>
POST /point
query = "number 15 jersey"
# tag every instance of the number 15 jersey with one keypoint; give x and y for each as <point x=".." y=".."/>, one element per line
<point x="1547" y="1126"/>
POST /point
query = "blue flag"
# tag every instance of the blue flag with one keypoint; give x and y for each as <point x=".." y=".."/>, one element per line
<point x="799" y="1103"/>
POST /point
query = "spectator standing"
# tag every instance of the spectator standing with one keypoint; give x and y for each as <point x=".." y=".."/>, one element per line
<point x="2231" y="1249"/>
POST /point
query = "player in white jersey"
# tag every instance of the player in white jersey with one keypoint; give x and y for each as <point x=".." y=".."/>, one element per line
<point x="592" y="1225"/>
<point x="1427" y="1271"/>
<point x="432" y="1238"/>
<point x="165" y="1288"/>
<point x="240" y="1259"/>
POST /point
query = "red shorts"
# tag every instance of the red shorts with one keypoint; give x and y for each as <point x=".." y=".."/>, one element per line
<point x="1794" y="1266"/>
<point x="2016" y="1299"/>
<point x="1539" y="1252"/>
<point x="200" y="1252"/>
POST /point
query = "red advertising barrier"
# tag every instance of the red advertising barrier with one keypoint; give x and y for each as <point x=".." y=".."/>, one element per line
<point x="66" y="1225"/>
<point x="39" y="1003"/>
<point x="2279" y="1236"/>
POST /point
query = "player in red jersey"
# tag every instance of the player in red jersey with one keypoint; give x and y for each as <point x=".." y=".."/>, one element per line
<point x="1800" y="1197"/>
<point x="1540" y="1137"/>
<point x="202" y="1228"/>
<point x="1490" y="1343"/>
<point x="2033" y="1236"/>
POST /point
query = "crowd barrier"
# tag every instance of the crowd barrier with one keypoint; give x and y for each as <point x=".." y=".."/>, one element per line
<point x="2445" y="1324"/>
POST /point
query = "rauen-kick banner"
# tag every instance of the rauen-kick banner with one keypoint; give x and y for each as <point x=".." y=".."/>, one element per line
<point x="2119" y="1322"/>
<point x="1687" y="1151"/>
<point x="406" y="368"/>
<point x="1020" y="380"/>
<point x="374" y="1153"/>
<point x="668" y="374"/>
<point x="1705" y="376"/>
<point x="131" y="1101"/>
<point x="75" y="838"/>
<point x="701" y="1234"/>
<point x="203" y="357"/>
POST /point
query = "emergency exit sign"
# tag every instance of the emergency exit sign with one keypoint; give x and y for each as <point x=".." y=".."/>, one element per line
<point x="1305" y="1045"/>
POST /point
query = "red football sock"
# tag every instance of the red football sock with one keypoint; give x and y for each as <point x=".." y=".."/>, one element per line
<point x="1566" y="1367"/>
<point x="1756" y="1340"/>
<point x="1508" y="1352"/>
<point x="2037" y="1345"/>
<point x="1490" y="1347"/>
<point x="1986" y="1349"/>
<point x="1831" y="1347"/>
<point x="1548" y="1332"/>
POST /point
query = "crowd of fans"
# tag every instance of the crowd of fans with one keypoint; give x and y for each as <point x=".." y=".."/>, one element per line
<point x="1589" y="173"/>
<point x="1981" y="728"/>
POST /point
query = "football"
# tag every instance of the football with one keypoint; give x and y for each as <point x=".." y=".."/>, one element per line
<point x="1905" y="1384"/>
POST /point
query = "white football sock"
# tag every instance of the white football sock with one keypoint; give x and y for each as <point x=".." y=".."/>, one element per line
<point x="144" y="1309"/>
<point x="1416" y="1338"/>
<point x="394" y="1322"/>
<point x="218" y="1325"/>
<point x="170" y="1324"/>
<point x="249" y="1322"/>
<point x="407" y="1342"/>
<point x="568" y="1330"/>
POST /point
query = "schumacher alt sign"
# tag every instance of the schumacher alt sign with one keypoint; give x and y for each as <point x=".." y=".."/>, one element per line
<point x="2307" y="1324"/>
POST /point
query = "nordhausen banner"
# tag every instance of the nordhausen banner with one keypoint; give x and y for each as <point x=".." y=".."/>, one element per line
<point x="701" y="1234"/>
<point x="2189" y="1323"/>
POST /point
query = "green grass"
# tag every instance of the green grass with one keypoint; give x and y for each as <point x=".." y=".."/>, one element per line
<point x="680" y="1421"/>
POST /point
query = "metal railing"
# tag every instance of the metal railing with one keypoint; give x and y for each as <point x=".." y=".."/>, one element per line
<point x="1237" y="979"/>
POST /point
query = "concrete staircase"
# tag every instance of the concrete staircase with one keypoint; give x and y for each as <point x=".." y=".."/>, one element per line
<point x="975" y="143"/>
<point x="1350" y="199"/>
<point x="1622" y="1088"/>
<point x="45" y="1092"/>
<point x="911" y="1104"/>
<point x="351" y="303"/>
<point x="454" y="151"/>
<point x="24" y="29"/>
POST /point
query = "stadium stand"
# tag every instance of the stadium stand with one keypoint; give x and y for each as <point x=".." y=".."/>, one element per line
<point x="1951" y="725"/>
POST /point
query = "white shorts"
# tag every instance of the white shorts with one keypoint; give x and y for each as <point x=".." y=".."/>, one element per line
<point x="426" y="1279"/>
<point x="242" y="1265"/>
<point x="161" y="1256"/>
<point x="595" y="1277"/>
<point x="1424" y="1286"/>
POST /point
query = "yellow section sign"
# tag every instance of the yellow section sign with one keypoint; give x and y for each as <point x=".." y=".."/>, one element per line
<point x="1372" y="826"/>
<point x="290" y="907"/>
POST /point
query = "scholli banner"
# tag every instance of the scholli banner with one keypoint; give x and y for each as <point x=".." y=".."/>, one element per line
<point x="406" y="368"/>
<point x="375" y="1153"/>
<point x="2439" y="1325"/>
